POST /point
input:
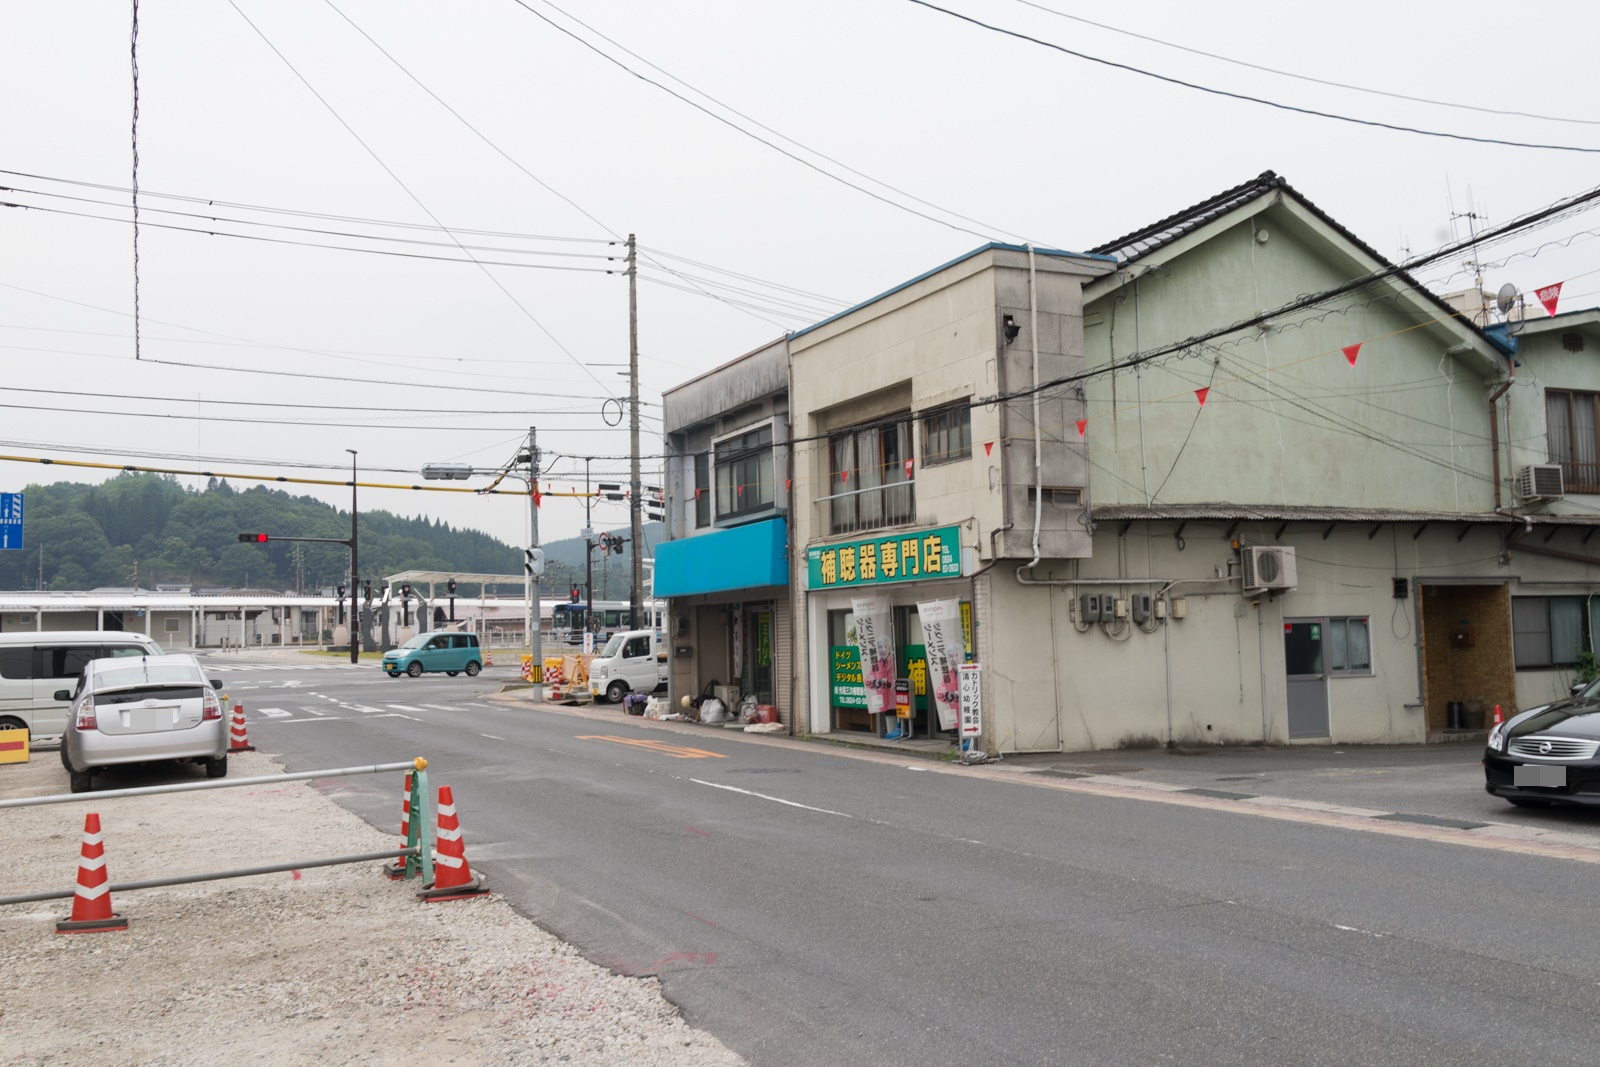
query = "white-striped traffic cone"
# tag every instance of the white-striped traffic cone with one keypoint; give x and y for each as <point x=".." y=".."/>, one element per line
<point x="91" y="903"/>
<point x="452" y="875"/>
<point x="238" y="737"/>
<point x="396" y="869"/>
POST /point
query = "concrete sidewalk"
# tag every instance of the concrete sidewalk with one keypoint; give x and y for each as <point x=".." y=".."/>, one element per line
<point x="1431" y="785"/>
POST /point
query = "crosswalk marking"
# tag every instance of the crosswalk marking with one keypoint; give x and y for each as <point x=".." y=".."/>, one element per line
<point x="675" y="751"/>
<point x="274" y="713"/>
<point x="405" y="707"/>
<point x="226" y="667"/>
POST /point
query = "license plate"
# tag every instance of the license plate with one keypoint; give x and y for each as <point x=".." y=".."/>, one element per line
<point x="1539" y="777"/>
<point x="146" y="720"/>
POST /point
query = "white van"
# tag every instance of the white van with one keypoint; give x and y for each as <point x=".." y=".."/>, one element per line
<point x="632" y="662"/>
<point x="34" y="665"/>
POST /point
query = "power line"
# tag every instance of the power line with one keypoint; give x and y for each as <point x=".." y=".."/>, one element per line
<point x="1304" y="77"/>
<point x="982" y="235"/>
<point x="276" y="404"/>
<point x="417" y="200"/>
<point x="1241" y="96"/>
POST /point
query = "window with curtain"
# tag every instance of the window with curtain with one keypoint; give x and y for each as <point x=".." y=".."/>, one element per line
<point x="1549" y="631"/>
<point x="868" y="485"/>
<point x="1570" y="435"/>
<point x="744" y="473"/>
<point x="1349" y="646"/>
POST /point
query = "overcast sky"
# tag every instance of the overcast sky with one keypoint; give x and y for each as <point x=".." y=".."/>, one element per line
<point x="957" y="134"/>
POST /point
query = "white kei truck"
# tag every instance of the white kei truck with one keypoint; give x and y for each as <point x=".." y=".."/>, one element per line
<point x="633" y="661"/>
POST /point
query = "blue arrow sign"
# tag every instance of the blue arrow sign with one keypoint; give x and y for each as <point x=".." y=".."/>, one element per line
<point x="10" y="521"/>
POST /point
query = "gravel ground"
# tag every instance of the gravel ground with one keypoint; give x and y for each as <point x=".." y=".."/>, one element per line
<point x="331" y="965"/>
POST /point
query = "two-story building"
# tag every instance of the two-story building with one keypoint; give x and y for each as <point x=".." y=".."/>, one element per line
<point x="1234" y="477"/>
<point x="723" y="565"/>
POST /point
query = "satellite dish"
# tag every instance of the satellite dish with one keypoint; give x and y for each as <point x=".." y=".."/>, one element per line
<point x="1506" y="299"/>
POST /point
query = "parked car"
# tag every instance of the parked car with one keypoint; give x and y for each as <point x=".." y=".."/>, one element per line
<point x="35" y="665"/>
<point x="130" y="710"/>
<point x="1548" y="755"/>
<point x="632" y="661"/>
<point x="449" y="652"/>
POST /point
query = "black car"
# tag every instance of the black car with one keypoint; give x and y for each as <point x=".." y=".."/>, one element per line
<point x="1548" y="755"/>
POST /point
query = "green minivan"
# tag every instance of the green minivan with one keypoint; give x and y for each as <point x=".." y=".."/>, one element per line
<point x="449" y="652"/>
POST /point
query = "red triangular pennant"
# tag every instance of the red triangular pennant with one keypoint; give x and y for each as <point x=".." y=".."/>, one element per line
<point x="698" y="490"/>
<point x="1548" y="296"/>
<point x="1200" y="394"/>
<point x="988" y="448"/>
<point x="538" y="497"/>
<point x="1083" y="424"/>
<point x="844" y="476"/>
<point x="1350" y="352"/>
<point x="741" y="490"/>
<point x="908" y="468"/>
<point x="788" y="484"/>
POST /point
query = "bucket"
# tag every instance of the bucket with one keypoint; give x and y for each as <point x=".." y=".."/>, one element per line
<point x="766" y="713"/>
<point x="1455" y="712"/>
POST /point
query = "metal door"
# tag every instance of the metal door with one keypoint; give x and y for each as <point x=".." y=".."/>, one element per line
<point x="1306" y="670"/>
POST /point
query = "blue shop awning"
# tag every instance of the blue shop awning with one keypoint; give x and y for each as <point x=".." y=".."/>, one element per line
<point x="741" y="557"/>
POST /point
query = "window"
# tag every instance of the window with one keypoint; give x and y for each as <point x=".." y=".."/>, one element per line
<point x="1549" y="631"/>
<point x="1058" y="496"/>
<point x="16" y="663"/>
<point x="947" y="435"/>
<point x="869" y="482"/>
<point x="68" y="661"/>
<point x="744" y="473"/>
<point x="702" y="489"/>
<point x="1570" y="435"/>
<point x="1349" y="646"/>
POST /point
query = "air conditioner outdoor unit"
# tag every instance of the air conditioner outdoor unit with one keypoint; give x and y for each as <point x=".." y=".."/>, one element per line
<point x="1540" y="482"/>
<point x="1268" y="567"/>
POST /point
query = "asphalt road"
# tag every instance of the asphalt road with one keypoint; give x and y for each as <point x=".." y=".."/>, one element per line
<point x="814" y="906"/>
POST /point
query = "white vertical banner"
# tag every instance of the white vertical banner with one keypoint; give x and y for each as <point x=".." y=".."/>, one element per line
<point x="875" y="639"/>
<point x="946" y="649"/>
<point x="971" y="700"/>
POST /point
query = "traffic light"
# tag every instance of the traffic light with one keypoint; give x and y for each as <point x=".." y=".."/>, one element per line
<point x="533" y="562"/>
<point x="574" y="595"/>
<point x="450" y="587"/>
<point x="340" y="590"/>
<point x="610" y="492"/>
<point x="654" y="504"/>
<point x="616" y="544"/>
<point x="254" y="538"/>
<point x="405" y="591"/>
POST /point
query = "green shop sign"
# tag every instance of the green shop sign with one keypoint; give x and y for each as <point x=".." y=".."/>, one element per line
<point x="901" y="557"/>
<point x="848" y="692"/>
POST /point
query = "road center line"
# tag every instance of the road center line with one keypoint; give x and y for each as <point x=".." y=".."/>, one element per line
<point x="492" y="737"/>
<point x="776" y="800"/>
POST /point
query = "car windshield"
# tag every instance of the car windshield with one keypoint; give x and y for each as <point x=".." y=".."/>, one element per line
<point x="1590" y="691"/>
<point x="613" y="646"/>
<point x="145" y="674"/>
<point x="417" y="641"/>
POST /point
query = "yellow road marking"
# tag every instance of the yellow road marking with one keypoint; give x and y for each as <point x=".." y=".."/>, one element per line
<point x="675" y="751"/>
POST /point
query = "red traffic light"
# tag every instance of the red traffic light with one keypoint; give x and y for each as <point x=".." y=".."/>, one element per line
<point x="256" y="538"/>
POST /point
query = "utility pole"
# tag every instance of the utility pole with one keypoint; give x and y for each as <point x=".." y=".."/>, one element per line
<point x="635" y="504"/>
<point x="355" y="569"/>
<point x="534" y="637"/>
<point x="588" y="546"/>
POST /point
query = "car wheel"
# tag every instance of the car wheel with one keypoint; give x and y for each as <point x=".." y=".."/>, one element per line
<point x="451" y="674"/>
<point x="616" y="691"/>
<point x="473" y="668"/>
<point x="8" y="723"/>
<point x="79" y="781"/>
<point x="394" y="674"/>
<point x="1528" y="802"/>
<point x="217" y="768"/>
<point x="415" y="669"/>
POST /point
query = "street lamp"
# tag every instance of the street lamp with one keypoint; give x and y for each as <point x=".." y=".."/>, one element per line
<point x="355" y="569"/>
<point x="533" y="558"/>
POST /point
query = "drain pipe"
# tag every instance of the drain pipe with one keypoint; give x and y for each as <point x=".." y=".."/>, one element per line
<point x="1494" y="427"/>
<point x="1038" y="435"/>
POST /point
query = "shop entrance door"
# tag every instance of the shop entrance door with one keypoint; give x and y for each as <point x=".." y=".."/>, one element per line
<point x="911" y="662"/>
<point x="1306" y="683"/>
<point x="758" y="640"/>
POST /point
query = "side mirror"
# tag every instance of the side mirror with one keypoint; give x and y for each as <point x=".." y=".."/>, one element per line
<point x="1580" y="687"/>
<point x="216" y="684"/>
<point x="63" y="694"/>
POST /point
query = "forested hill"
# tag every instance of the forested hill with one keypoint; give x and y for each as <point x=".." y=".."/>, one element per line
<point x="148" y="528"/>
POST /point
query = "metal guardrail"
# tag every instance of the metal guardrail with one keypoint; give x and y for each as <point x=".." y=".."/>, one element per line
<point x="418" y="852"/>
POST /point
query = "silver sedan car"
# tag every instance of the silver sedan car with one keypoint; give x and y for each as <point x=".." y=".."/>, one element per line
<point x="136" y="710"/>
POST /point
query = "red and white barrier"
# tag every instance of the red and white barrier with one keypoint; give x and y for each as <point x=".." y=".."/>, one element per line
<point x="396" y="869"/>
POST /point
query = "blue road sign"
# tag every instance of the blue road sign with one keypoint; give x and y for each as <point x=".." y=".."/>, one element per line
<point x="10" y="520"/>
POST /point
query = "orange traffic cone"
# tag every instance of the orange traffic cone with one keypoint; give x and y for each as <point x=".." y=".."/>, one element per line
<point x="239" y="741"/>
<point x="452" y="875"/>
<point x="396" y="869"/>
<point x="1498" y="718"/>
<point x="488" y="658"/>
<point x="91" y="903"/>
